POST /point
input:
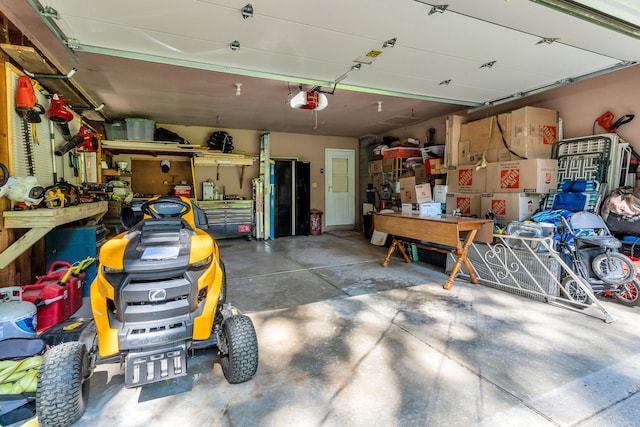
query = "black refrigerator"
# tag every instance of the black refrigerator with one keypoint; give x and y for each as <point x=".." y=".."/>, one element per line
<point x="292" y="198"/>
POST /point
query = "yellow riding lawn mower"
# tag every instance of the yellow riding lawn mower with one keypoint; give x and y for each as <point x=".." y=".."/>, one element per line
<point x="159" y="294"/>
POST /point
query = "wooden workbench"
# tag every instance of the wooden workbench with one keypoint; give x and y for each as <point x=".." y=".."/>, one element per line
<point x="41" y="221"/>
<point x="440" y="233"/>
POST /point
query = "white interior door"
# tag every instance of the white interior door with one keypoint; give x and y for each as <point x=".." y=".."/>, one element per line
<point x="340" y="187"/>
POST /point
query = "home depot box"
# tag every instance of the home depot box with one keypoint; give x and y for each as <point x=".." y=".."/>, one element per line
<point x="510" y="206"/>
<point x="467" y="204"/>
<point x="523" y="176"/>
<point x="410" y="192"/>
<point x="485" y="138"/>
<point x="534" y="131"/>
<point x="466" y="179"/>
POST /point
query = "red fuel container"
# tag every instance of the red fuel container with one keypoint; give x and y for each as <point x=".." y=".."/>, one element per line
<point x="55" y="301"/>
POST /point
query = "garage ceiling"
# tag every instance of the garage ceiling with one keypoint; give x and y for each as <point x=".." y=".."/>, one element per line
<point x="173" y="62"/>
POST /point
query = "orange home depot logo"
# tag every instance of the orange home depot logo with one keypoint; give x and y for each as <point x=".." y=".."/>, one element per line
<point x="547" y="178"/>
<point x="510" y="178"/>
<point x="463" y="204"/>
<point x="549" y="135"/>
<point x="465" y="176"/>
<point x="499" y="207"/>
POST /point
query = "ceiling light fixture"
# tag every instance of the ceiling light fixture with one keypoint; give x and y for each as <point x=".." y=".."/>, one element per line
<point x="238" y="88"/>
<point x="247" y="11"/>
<point x="390" y="42"/>
<point x="438" y="9"/>
<point x="445" y="82"/>
<point x="379" y="106"/>
<point x="489" y="64"/>
<point x="235" y="45"/>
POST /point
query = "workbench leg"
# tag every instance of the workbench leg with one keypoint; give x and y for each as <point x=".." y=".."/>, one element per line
<point x="396" y="244"/>
<point x="404" y="253"/>
<point x="390" y="252"/>
<point x="18" y="247"/>
<point x="461" y="258"/>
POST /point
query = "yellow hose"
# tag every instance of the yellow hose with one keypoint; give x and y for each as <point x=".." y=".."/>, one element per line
<point x="19" y="376"/>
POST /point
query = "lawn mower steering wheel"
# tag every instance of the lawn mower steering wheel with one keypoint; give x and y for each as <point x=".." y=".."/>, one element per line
<point x="169" y="210"/>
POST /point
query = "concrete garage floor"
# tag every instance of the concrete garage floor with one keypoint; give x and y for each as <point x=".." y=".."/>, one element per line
<point x="346" y="342"/>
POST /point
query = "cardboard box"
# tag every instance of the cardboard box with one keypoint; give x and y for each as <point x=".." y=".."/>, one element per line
<point x="483" y="138"/>
<point x="510" y="206"/>
<point x="420" y="173"/>
<point x="407" y="190"/>
<point x="407" y="207"/>
<point x="534" y="131"/>
<point x="377" y="179"/>
<point x="375" y="166"/>
<point x="523" y="176"/>
<point x="453" y="126"/>
<point x="423" y="193"/>
<point x="389" y="165"/>
<point x="440" y="193"/>
<point x="410" y="192"/>
<point x="466" y="179"/>
<point x="430" y="209"/>
<point x="401" y="152"/>
<point x="468" y="204"/>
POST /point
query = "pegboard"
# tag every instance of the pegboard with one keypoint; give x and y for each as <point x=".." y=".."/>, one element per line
<point x="40" y="140"/>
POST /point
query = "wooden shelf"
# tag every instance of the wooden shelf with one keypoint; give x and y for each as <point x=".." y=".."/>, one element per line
<point x="113" y="172"/>
<point x="153" y="148"/>
<point x="222" y="159"/>
<point x="41" y="221"/>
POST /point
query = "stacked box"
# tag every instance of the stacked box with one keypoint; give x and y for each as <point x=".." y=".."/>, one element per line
<point x="534" y="131"/>
<point x="482" y="138"/>
<point x="528" y="132"/>
<point x="510" y="206"/>
<point x="375" y="166"/>
<point x="466" y="179"/>
<point x="523" y="176"/>
<point x="467" y="204"/>
<point x="412" y="191"/>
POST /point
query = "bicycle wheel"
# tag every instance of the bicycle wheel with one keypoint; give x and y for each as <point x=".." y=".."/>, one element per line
<point x="613" y="268"/>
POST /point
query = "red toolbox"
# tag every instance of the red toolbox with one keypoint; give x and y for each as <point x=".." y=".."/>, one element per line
<point x="55" y="301"/>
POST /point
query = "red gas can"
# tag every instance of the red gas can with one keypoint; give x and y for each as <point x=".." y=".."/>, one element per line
<point x="55" y="301"/>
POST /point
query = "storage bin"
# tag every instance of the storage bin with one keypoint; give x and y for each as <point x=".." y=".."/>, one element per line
<point x="140" y="129"/>
<point x="116" y="131"/>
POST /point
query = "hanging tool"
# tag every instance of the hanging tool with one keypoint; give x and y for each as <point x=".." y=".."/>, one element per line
<point x="52" y="141"/>
<point x="59" y="113"/>
<point x="25" y="102"/>
<point x="84" y="140"/>
<point x="606" y="121"/>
